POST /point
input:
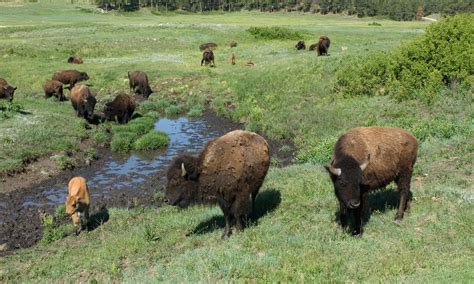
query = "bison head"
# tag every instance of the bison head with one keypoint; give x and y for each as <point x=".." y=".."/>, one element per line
<point x="89" y="105"/>
<point x="182" y="187"/>
<point x="8" y="92"/>
<point x="347" y="178"/>
<point x="147" y="92"/>
<point x="84" y="76"/>
<point x="73" y="208"/>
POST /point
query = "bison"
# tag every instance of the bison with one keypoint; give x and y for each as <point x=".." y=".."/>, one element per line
<point x="121" y="107"/>
<point x="368" y="158"/>
<point x="209" y="45"/>
<point x="312" y="47"/>
<point x="77" y="202"/>
<point x="322" y="46"/>
<point x="232" y="58"/>
<point x="75" y="59"/>
<point x="6" y="91"/>
<point x="138" y="81"/>
<point x="229" y="172"/>
<point x="70" y="77"/>
<point x="233" y="44"/>
<point x="300" y="45"/>
<point x="53" y="88"/>
<point x="208" y="57"/>
<point x="83" y="101"/>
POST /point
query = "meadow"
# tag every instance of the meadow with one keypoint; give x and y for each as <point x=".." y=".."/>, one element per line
<point x="287" y="94"/>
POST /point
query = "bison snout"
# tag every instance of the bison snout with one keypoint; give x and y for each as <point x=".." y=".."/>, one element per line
<point x="166" y="201"/>
<point x="354" y="204"/>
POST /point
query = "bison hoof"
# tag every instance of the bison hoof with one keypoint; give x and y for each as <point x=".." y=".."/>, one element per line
<point x="226" y="235"/>
<point x="357" y="232"/>
<point x="398" y="217"/>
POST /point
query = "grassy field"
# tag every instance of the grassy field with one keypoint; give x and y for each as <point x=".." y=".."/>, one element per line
<point x="287" y="94"/>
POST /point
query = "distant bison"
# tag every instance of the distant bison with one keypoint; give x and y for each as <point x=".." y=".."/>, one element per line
<point x="312" y="47"/>
<point x="209" y="45"/>
<point x="6" y="91"/>
<point x="233" y="44"/>
<point x="232" y="58"/>
<point x="75" y="59"/>
<point x="53" y="88"/>
<point x="70" y="77"/>
<point x="208" y="57"/>
<point x="368" y="158"/>
<point x="138" y="81"/>
<point x="300" y="45"/>
<point x="322" y="46"/>
<point x="121" y="107"/>
<point x="77" y="202"/>
<point x="229" y="172"/>
<point x="83" y="101"/>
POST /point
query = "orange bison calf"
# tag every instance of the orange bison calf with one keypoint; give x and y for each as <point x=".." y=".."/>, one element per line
<point x="229" y="172"/>
<point x="368" y="158"/>
<point x="77" y="202"/>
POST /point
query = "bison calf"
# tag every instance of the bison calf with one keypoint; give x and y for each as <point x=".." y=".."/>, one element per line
<point x="229" y="172"/>
<point x="300" y="45"/>
<point x="83" y="101"/>
<point x="368" y="158"/>
<point x="75" y="59"/>
<point x="208" y="57"/>
<point x="232" y="58"/>
<point x="6" y="91"/>
<point x="322" y="46"/>
<point x="121" y="107"/>
<point x="70" y="77"/>
<point x="77" y="202"/>
<point x="138" y="81"/>
<point x="53" y="88"/>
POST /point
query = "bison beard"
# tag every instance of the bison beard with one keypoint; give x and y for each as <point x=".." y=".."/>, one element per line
<point x="208" y="57"/>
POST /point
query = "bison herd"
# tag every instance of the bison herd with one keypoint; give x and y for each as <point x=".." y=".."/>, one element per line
<point x="321" y="47"/>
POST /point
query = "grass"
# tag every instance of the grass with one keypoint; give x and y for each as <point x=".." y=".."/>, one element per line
<point x="287" y="94"/>
<point x="151" y="141"/>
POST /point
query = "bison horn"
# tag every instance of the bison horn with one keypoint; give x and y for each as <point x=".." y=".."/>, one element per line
<point x="334" y="171"/>
<point x="183" y="170"/>
<point x="365" y="164"/>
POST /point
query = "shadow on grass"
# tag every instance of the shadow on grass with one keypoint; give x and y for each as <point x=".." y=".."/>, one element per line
<point x="266" y="202"/>
<point x="98" y="218"/>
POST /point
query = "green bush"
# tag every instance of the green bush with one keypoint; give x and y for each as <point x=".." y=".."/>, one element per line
<point x="9" y="109"/>
<point x="125" y="135"/>
<point x="122" y="142"/>
<point x="151" y="141"/>
<point x="274" y="33"/>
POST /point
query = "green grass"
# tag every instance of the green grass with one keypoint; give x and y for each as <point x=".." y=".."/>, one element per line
<point x="151" y="141"/>
<point x="287" y="94"/>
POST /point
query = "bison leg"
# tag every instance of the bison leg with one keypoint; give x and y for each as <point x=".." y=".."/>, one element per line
<point x="228" y="224"/>
<point x="343" y="215"/>
<point x="202" y="61"/>
<point x="403" y="183"/>
<point x="357" y="221"/>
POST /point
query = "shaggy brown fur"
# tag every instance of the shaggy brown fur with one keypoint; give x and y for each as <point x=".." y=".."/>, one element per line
<point x="77" y="202"/>
<point x="53" y="88"/>
<point x="208" y="57"/>
<point x="138" y="81"/>
<point x="229" y="172"/>
<point x="83" y="101"/>
<point x="312" y="47"/>
<point x="209" y="45"/>
<point x="300" y="45"/>
<point x="75" y="59"/>
<point x="368" y="158"/>
<point x="121" y="107"/>
<point x="70" y="77"/>
<point x="6" y="91"/>
<point x="322" y="46"/>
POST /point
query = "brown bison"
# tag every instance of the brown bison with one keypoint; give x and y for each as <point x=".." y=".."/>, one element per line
<point x="77" y="202"/>
<point x="322" y="46"/>
<point x="70" y="77"/>
<point x="233" y="44"/>
<point x="6" y="91"/>
<point x="232" y="58"/>
<point x="209" y="45"/>
<point x="83" y="101"/>
<point x="368" y="158"/>
<point x="208" y="57"/>
<point x="53" y="88"/>
<point x="300" y="45"/>
<point x="121" y="107"/>
<point x="229" y="172"/>
<point x="75" y="59"/>
<point x="312" y="47"/>
<point x="138" y="82"/>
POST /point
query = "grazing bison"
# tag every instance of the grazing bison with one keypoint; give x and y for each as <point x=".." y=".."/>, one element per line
<point x="300" y="45"/>
<point x="53" y="88"/>
<point x="368" y="158"/>
<point x="229" y="172"/>
<point x="6" y="91"/>
<point x="70" y="77"/>
<point x="233" y="44"/>
<point x="138" y="82"/>
<point x="77" y="202"/>
<point x="322" y="46"/>
<point x="121" y="107"/>
<point x="83" y="101"/>
<point x="75" y="59"/>
<point x="232" y="58"/>
<point x="312" y="47"/>
<point x="209" y="45"/>
<point x="208" y="57"/>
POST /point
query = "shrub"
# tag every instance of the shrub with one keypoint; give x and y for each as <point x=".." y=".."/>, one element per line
<point x="151" y="141"/>
<point x="274" y="33"/>
<point x="125" y="135"/>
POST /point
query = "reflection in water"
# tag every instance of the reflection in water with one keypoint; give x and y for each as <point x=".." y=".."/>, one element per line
<point x="127" y="172"/>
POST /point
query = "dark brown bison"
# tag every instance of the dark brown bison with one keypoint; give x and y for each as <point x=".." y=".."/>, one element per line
<point x="75" y="59"/>
<point x="208" y="57"/>
<point x="121" y="107"/>
<point x="209" y="45"/>
<point x="83" y="101"/>
<point x="6" y="91"/>
<point x="233" y="44"/>
<point x="138" y="81"/>
<point x="300" y="45"/>
<point x="322" y="46"/>
<point x="229" y="172"/>
<point x="70" y="77"/>
<point x="312" y="47"/>
<point x="53" y="88"/>
<point x="368" y="158"/>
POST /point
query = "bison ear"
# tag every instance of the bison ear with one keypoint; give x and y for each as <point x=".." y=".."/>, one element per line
<point x="183" y="170"/>
<point x="365" y="164"/>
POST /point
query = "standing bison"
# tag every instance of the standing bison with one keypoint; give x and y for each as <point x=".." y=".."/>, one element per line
<point x="77" y="202"/>
<point x="368" y="158"/>
<point x="70" y="77"/>
<point x="53" y="88"/>
<point x="138" y="81"/>
<point x="121" y="107"/>
<point x="83" y="101"/>
<point x="229" y="172"/>
<point x="75" y="59"/>
<point x="322" y="46"/>
<point x="300" y="45"/>
<point x="6" y="91"/>
<point x="208" y="57"/>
